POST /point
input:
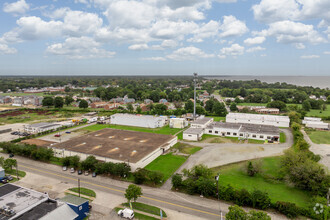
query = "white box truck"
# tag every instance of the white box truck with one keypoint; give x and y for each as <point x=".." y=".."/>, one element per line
<point x="126" y="213"/>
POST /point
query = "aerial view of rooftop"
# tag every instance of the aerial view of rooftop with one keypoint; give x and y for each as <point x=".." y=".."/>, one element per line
<point x="163" y="109"/>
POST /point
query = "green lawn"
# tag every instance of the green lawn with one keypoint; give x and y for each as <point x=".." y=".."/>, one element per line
<point x="145" y="208"/>
<point x="319" y="137"/>
<point x="84" y="191"/>
<point x="282" y="137"/>
<point x="163" y="130"/>
<point x="316" y="112"/>
<point x="252" y="104"/>
<point x="138" y="215"/>
<point x="14" y="174"/>
<point x="166" y="164"/>
<point x="24" y="94"/>
<point x="186" y="148"/>
<point x="253" y="141"/>
<point x="278" y="191"/>
<point x="217" y="118"/>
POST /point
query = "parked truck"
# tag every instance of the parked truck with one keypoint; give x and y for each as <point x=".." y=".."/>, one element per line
<point x="126" y="213"/>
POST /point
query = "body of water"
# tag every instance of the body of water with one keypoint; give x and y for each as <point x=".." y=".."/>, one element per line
<point x="315" y="81"/>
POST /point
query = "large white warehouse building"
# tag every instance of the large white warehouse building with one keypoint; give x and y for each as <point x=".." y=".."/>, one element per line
<point x="146" y="121"/>
<point x="274" y="120"/>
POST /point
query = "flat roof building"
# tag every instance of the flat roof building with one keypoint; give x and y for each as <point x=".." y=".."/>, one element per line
<point x="41" y="127"/>
<point x="316" y="123"/>
<point x="114" y="145"/>
<point x="146" y="121"/>
<point x="178" y="123"/>
<point x="244" y="131"/>
<point x="274" y="120"/>
<point x="201" y="122"/>
<point x="20" y="203"/>
<point x="193" y="134"/>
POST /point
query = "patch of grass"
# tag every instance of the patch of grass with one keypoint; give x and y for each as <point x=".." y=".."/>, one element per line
<point x="138" y="215"/>
<point x="252" y="104"/>
<point x="217" y="118"/>
<point x="145" y="208"/>
<point x="56" y="161"/>
<point x="266" y="181"/>
<point x="319" y="137"/>
<point x="180" y="135"/>
<point x="166" y="164"/>
<point x="162" y="130"/>
<point x="84" y="191"/>
<point x="282" y="137"/>
<point x="13" y="172"/>
<point x="253" y="141"/>
<point x="78" y="196"/>
<point x="186" y="148"/>
<point x="219" y="139"/>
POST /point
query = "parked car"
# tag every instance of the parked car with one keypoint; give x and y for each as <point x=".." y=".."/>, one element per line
<point x="11" y="155"/>
<point x="4" y="181"/>
<point x="94" y="174"/>
<point x="68" y="132"/>
<point x="64" y="168"/>
<point x="86" y="173"/>
<point x="126" y="213"/>
<point x="9" y="177"/>
<point x="14" y="133"/>
<point x="72" y="170"/>
<point x="80" y="172"/>
<point x="57" y="135"/>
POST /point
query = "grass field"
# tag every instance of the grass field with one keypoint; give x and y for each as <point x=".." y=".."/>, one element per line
<point x="145" y="208"/>
<point x="84" y="191"/>
<point x="282" y="137"/>
<point x="24" y="94"/>
<point x="186" y="148"/>
<point x="163" y="130"/>
<point x="319" y="137"/>
<point x="316" y="112"/>
<point x="252" y="104"/>
<point x="217" y="118"/>
<point x="166" y="164"/>
<point x="278" y="191"/>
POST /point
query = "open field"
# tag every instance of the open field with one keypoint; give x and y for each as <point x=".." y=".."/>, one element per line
<point x="252" y="104"/>
<point x="316" y="112"/>
<point x="24" y="94"/>
<point x="163" y="130"/>
<point x="186" y="148"/>
<point x="319" y="137"/>
<point x="217" y="118"/>
<point x="166" y="164"/>
<point x="277" y="190"/>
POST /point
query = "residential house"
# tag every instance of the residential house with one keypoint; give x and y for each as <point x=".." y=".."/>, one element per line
<point x="98" y="104"/>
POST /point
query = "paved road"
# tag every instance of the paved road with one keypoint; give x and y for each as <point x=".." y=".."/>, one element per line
<point x="150" y="196"/>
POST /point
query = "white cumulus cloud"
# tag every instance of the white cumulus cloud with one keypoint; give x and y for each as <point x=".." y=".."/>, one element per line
<point x="234" y="50"/>
<point x="188" y="53"/>
<point x="19" y="7"/>
<point x="255" y="40"/>
<point x="232" y="27"/>
<point x="4" y="49"/>
<point x="138" y="47"/>
<point x="310" y="57"/>
<point x="255" y="49"/>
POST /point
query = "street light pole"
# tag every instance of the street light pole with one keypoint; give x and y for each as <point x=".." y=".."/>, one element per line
<point x="217" y="179"/>
<point x="195" y="79"/>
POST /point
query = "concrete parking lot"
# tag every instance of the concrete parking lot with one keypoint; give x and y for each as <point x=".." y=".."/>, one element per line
<point x="15" y="127"/>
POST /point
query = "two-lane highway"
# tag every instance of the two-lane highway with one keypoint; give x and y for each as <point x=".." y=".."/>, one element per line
<point x="177" y="204"/>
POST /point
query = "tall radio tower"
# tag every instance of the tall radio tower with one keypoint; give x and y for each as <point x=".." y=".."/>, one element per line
<point x="195" y="79"/>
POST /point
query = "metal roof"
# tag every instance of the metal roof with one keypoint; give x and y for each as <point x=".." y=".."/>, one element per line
<point x="75" y="200"/>
<point x="194" y="131"/>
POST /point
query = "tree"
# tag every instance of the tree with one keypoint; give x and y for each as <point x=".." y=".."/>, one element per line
<point x="209" y="105"/>
<point x="257" y="215"/>
<point x="235" y="213"/>
<point x="133" y="192"/>
<point x="260" y="199"/>
<point x="66" y="161"/>
<point x="138" y="109"/>
<point x="74" y="161"/>
<point x="233" y="107"/>
<point x="189" y="106"/>
<point x="2" y="160"/>
<point x="9" y="164"/>
<point x="48" y="101"/>
<point x="220" y="109"/>
<point x="277" y="104"/>
<point x="68" y="100"/>
<point x="66" y="89"/>
<point x="83" y="104"/>
<point x="306" y="105"/>
<point x="89" y="163"/>
<point x="155" y="176"/>
<point x="58" y="102"/>
<point x="130" y="107"/>
<point x="250" y="169"/>
<point x="176" y="181"/>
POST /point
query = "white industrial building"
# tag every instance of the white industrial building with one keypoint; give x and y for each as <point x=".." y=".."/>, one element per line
<point x="274" y="120"/>
<point x="146" y="121"/>
<point x="244" y="131"/>
<point x="178" y="123"/>
<point x="41" y="127"/>
<point x="316" y="123"/>
<point x="193" y="134"/>
<point x="201" y="122"/>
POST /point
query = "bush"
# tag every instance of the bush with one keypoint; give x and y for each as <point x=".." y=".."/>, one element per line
<point x="243" y="198"/>
<point x="287" y="208"/>
<point x="177" y="181"/>
<point x="260" y="199"/>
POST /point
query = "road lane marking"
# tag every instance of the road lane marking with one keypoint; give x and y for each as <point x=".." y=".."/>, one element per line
<point x="121" y="191"/>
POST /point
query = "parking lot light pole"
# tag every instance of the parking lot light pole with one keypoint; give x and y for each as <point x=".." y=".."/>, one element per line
<point x="217" y="179"/>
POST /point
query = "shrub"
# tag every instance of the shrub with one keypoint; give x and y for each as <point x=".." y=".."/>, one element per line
<point x="235" y="213"/>
<point x="260" y="199"/>
<point x="287" y="208"/>
<point x="243" y="198"/>
<point x="177" y="181"/>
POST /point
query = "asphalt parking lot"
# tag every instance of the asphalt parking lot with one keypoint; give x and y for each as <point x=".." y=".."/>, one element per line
<point x="15" y="127"/>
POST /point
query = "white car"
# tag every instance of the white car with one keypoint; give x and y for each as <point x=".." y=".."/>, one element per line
<point x="64" y="168"/>
<point x="72" y="170"/>
<point x="126" y="213"/>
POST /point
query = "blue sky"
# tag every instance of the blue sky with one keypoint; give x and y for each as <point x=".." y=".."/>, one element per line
<point x="168" y="37"/>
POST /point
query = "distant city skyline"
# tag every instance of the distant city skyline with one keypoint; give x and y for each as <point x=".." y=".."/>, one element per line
<point x="165" y="37"/>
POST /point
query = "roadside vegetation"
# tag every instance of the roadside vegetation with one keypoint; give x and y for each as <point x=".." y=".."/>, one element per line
<point x="84" y="191"/>
<point x="186" y="148"/>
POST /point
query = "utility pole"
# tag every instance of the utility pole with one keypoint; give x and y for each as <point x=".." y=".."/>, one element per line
<point x="195" y="79"/>
<point x="17" y="170"/>
<point x="217" y="180"/>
